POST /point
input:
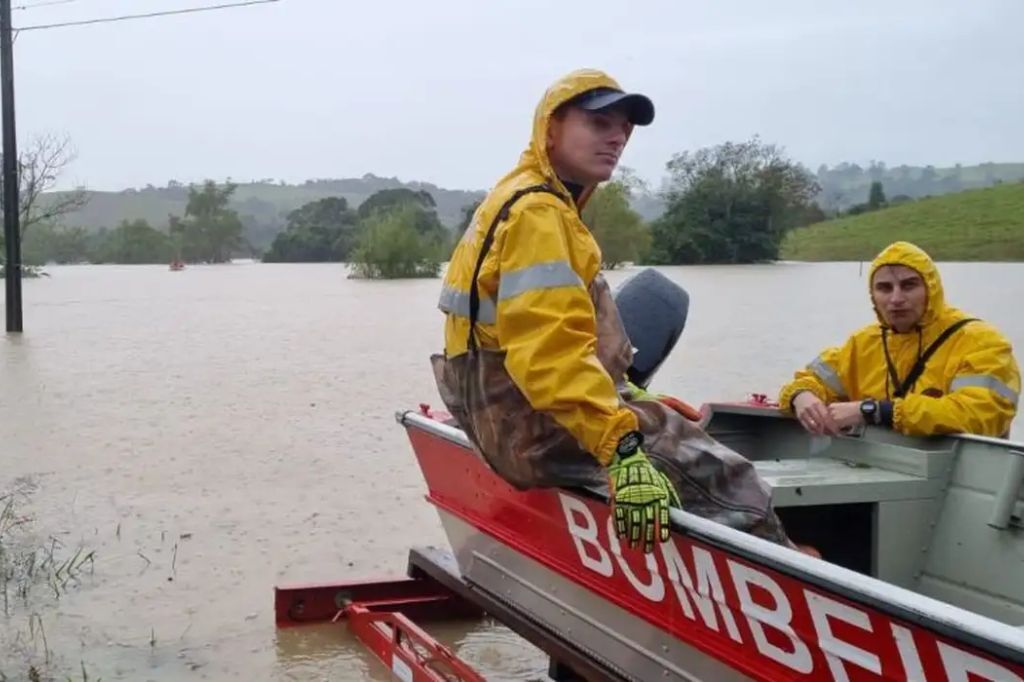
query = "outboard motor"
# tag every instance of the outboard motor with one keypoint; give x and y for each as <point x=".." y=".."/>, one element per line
<point x="653" y="309"/>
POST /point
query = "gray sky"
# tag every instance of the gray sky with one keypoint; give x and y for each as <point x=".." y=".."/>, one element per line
<point x="443" y="91"/>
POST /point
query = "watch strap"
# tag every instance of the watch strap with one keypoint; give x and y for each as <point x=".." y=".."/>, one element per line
<point x="629" y="444"/>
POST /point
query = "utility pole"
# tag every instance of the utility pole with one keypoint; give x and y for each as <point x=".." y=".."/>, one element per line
<point x="11" y="203"/>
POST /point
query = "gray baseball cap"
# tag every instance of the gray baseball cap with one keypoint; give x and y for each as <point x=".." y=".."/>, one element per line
<point x="639" y="108"/>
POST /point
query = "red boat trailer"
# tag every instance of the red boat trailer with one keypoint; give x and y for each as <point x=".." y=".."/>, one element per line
<point x="380" y="614"/>
<point x="383" y="615"/>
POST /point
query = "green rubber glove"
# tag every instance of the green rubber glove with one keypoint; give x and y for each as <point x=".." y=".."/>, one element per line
<point x="641" y="496"/>
<point x="637" y="393"/>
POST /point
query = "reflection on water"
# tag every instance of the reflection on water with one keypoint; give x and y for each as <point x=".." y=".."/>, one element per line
<point x="214" y="432"/>
<point x="322" y="652"/>
<point x="490" y="646"/>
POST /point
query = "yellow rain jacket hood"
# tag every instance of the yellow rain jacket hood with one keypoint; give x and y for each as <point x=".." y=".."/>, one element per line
<point x="970" y="384"/>
<point x="533" y="283"/>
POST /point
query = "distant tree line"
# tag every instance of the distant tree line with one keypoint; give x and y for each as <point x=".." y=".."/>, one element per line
<point x="876" y="200"/>
<point x="208" y="232"/>
<point x="394" y="233"/>
<point x="730" y="203"/>
<point x="727" y="204"/>
<point x="262" y="204"/>
<point x="133" y="241"/>
<point x="845" y="185"/>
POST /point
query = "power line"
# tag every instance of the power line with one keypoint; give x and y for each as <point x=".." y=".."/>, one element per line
<point x="47" y="3"/>
<point x="149" y="15"/>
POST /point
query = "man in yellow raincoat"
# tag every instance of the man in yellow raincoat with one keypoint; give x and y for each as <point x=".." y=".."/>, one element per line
<point x="534" y="368"/>
<point x="924" y="368"/>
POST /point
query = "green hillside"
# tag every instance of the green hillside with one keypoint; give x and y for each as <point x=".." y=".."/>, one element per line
<point x="977" y="225"/>
<point x="262" y="206"/>
<point x="847" y="184"/>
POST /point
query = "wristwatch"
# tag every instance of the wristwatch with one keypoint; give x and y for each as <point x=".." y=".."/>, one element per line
<point x="629" y="444"/>
<point x="869" y="408"/>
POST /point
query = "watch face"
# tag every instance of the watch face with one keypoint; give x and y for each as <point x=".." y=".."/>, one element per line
<point x="629" y="443"/>
<point x="868" y="408"/>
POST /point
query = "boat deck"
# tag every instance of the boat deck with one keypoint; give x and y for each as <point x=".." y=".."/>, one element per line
<point x="798" y="482"/>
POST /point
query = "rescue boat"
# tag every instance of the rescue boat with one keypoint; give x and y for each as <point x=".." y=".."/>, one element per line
<point x="921" y="575"/>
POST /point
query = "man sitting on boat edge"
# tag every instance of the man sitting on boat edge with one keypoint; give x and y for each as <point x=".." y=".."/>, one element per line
<point x="534" y="368"/>
<point x="925" y="368"/>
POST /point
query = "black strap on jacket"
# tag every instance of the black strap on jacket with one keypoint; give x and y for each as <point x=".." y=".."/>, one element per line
<point x="904" y="387"/>
<point x="474" y="291"/>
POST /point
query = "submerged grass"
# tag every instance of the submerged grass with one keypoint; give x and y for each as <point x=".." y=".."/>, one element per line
<point x="31" y="570"/>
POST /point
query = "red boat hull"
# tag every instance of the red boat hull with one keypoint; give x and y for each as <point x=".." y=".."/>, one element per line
<point x="744" y="605"/>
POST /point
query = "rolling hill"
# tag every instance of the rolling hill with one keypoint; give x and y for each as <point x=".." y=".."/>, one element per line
<point x="976" y="225"/>
<point x="264" y="204"/>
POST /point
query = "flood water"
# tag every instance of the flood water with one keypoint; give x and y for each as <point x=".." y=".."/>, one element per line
<point x="215" y="432"/>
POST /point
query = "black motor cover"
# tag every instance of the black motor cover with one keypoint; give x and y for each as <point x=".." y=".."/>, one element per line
<point x="653" y="309"/>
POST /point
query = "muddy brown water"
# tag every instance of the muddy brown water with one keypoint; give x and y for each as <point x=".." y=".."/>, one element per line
<point x="214" y="432"/>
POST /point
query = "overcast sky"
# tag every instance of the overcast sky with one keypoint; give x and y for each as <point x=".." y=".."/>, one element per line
<point x="443" y="90"/>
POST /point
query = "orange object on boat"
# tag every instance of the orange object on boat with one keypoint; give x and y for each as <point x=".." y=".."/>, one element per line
<point x="683" y="408"/>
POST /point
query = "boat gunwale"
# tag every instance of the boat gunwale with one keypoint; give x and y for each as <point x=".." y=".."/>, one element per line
<point x="956" y="623"/>
<point x="770" y="411"/>
<point x="1006" y="443"/>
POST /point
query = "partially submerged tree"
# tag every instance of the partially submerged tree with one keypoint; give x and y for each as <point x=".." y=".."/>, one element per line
<point x="210" y="232"/>
<point x="40" y="165"/>
<point x="392" y="246"/>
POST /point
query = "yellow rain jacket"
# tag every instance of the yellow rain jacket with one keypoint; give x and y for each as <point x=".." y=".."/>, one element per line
<point x="970" y="385"/>
<point x="534" y="300"/>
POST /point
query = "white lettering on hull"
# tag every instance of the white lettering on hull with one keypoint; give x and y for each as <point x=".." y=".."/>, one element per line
<point x="704" y="589"/>
<point x="911" y="660"/>
<point x="655" y="590"/>
<point x="965" y="667"/>
<point x="779" y="618"/>
<point x="585" y="536"/>
<point x="836" y="650"/>
<point x="707" y="595"/>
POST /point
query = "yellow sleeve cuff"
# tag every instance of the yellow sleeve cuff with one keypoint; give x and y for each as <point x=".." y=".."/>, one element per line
<point x="606" y="452"/>
<point x="790" y="390"/>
